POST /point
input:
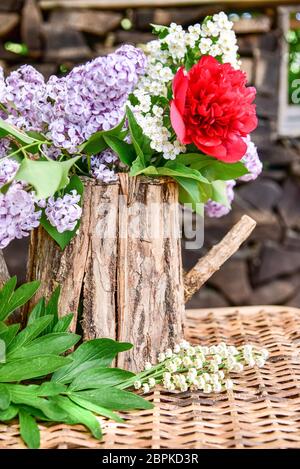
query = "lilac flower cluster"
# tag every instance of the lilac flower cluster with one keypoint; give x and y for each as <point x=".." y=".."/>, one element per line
<point x="92" y="97"/>
<point x="64" y="212"/>
<point x="216" y="210"/>
<point x="253" y="164"/>
<point x="70" y="109"/>
<point x="251" y="161"/>
<point x="24" y="96"/>
<point x="103" y="165"/>
<point x="17" y="214"/>
<point x="8" y="169"/>
<point x="4" y="146"/>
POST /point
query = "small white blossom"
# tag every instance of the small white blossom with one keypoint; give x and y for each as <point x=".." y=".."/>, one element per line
<point x="151" y="382"/>
<point x="217" y="386"/>
<point x="228" y="384"/>
<point x="187" y="362"/>
<point x="147" y="366"/>
<point x="184" y="345"/>
<point x="198" y="363"/>
<point x="146" y="388"/>
<point x="137" y="384"/>
<point x="171" y="366"/>
<point x="161" y="357"/>
<point x="207" y="389"/>
<point x="238" y="367"/>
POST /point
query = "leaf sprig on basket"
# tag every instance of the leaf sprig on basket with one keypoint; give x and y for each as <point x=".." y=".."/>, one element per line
<point x="39" y="383"/>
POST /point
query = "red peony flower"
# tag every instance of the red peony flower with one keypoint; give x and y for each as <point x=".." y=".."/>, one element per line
<point x="213" y="108"/>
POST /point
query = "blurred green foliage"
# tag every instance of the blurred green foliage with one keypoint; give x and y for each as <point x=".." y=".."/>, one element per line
<point x="293" y="38"/>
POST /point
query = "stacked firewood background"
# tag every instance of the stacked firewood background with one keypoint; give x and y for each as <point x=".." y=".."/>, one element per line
<point x="54" y="39"/>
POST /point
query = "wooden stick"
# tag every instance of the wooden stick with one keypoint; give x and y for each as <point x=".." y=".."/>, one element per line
<point x="215" y="258"/>
<point x="4" y="274"/>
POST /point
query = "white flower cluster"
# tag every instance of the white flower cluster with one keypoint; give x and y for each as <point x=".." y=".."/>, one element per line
<point x="214" y="37"/>
<point x="199" y="367"/>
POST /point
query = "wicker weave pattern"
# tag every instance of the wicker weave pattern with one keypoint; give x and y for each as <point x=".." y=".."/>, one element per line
<point x="263" y="411"/>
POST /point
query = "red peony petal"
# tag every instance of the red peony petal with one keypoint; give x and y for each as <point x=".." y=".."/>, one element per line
<point x="236" y="149"/>
<point x="218" y="111"/>
<point x="177" y="122"/>
<point x="208" y="141"/>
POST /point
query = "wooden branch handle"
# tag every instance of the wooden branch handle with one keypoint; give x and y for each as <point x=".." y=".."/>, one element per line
<point x="4" y="274"/>
<point x="215" y="258"/>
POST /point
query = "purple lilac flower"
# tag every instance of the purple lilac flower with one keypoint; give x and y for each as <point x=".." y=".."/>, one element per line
<point x="216" y="210"/>
<point x="135" y="55"/>
<point x="51" y="151"/>
<point x="2" y="86"/>
<point x="24" y="96"/>
<point x="64" y="212"/>
<point x="17" y="214"/>
<point x="103" y="166"/>
<point x="8" y="169"/>
<point x="251" y="161"/>
<point x="4" y="146"/>
<point x="91" y="98"/>
<point x="70" y="109"/>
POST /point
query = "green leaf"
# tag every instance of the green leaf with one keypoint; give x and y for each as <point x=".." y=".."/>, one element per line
<point x="140" y="141"/>
<point x="79" y="415"/>
<point x="95" y="408"/>
<point x="50" y="344"/>
<point x="96" y="352"/>
<point x="97" y="377"/>
<point x="178" y="169"/>
<point x="29" y="333"/>
<point x="9" y="129"/>
<point x="48" y="389"/>
<point x="63" y="323"/>
<point x="189" y="193"/>
<point x="125" y="151"/>
<point x="52" y="305"/>
<point x="196" y="159"/>
<point x="4" y="397"/>
<point x="138" y="166"/>
<point x="27" y="395"/>
<point x="37" y="312"/>
<point x="220" y="193"/>
<point x="96" y="143"/>
<point x="9" y="333"/>
<point x="161" y="31"/>
<point x="29" y="430"/>
<point x="173" y="169"/>
<point x="63" y="239"/>
<point x="5" y="295"/>
<point x="217" y="170"/>
<point x="115" y="399"/>
<point x="23" y="369"/>
<point x="47" y="177"/>
<point x="211" y="168"/>
<point x="9" y="413"/>
<point x="20" y="297"/>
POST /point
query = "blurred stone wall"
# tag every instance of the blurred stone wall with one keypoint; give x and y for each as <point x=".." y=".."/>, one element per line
<point x="267" y="268"/>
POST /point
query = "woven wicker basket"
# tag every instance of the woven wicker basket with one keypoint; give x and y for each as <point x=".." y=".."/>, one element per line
<point x="263" y="411"/>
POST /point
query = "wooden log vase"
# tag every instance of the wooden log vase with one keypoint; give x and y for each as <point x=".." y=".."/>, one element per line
<point x="121" y="275"/>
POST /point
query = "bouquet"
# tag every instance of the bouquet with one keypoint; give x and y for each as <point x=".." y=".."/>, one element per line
<point x="178" y="108"/>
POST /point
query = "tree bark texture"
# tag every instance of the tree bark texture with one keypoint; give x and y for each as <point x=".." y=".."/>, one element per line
<point x="4" y="275"/>
<point x="121" y="275"/>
